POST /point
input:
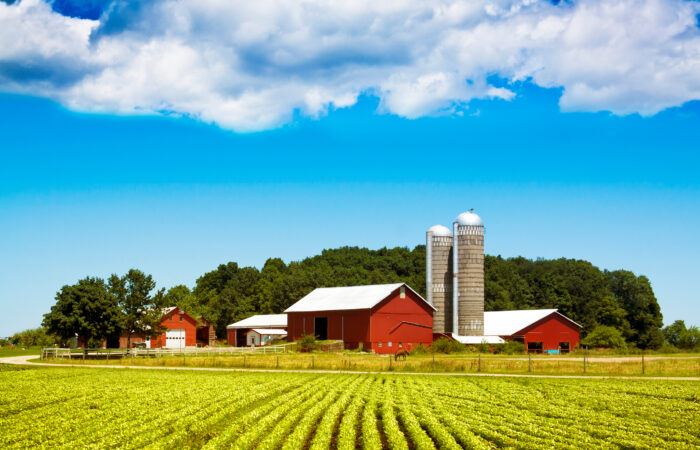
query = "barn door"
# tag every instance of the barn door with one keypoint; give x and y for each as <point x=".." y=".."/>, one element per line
<point x="175" y="338"/>
<point x="321" y="328"/>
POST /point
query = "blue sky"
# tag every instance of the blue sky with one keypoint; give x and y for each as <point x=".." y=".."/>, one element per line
<point x="85" y="194"/>
<point x="123" y="145"/>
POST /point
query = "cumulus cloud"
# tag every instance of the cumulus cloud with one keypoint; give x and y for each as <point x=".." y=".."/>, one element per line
<point x="253" y="65"/>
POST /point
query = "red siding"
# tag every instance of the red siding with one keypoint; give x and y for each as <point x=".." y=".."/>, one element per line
<point x="349" y="326"/>
<point x="188" y="323"/>
<point x="551" y="330"/>
<point x="231" y="336"/>
<point x="408" y="321"/>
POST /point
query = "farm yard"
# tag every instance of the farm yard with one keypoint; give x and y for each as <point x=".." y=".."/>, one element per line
<point x="86" y="407"/>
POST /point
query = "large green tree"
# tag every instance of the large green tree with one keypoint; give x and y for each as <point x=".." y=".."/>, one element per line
<point x="635" y="295"/>
<point x="141" y="307"/>
<point x="679" y="336"/>
<point x="86" y="310"/>
<point x="182" y="297"/>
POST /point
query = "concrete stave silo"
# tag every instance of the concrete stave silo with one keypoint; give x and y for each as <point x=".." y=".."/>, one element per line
<point x="438" y="253"/>
<point x="468" y="273"/>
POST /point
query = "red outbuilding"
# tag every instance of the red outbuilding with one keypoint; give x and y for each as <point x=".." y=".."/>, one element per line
<point x="181" y="331"/>
<point x="383" y="318"/>
<point x="541" y="330"/>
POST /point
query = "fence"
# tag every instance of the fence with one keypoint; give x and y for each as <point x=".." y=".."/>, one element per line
<point x="118" y="353"/>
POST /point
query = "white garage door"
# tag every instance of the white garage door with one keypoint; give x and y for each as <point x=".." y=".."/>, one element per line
<point x="175" y="338"/>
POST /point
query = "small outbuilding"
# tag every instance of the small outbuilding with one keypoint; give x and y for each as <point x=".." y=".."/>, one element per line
<point x="383" y="318"/>
<point x="263" y="336"/>
<point x="236" y="332"/>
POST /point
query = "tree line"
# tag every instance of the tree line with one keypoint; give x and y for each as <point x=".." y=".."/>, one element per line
<point x="94" y="310"/>
<point x="612" y="306"/>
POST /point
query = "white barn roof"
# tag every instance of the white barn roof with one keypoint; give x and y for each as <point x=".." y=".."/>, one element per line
<point x="479" y="339"/>
<point x="507" y="323"/>
<point x="261" y="321"/>
<point x="349" y="297"/>
<point x="269" y="331"/>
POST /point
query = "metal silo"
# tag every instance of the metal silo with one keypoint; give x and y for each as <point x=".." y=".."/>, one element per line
<point x="468" y="281"/>
<point x="438" y="255"/>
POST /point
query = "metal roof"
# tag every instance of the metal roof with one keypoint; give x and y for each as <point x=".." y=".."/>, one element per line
<point x="270" y="331"/>
<point x="261" y="321"/>
<point x="479" y="339"/>
<point x="469" y="218"/>
<point x="349" y="297"/>
<point x="507" y="323"/>
<point x="439" y="230"/>
<point x="168" y="310"/>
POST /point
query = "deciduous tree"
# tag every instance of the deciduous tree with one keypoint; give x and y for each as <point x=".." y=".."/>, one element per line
<point x="87" y="310"/>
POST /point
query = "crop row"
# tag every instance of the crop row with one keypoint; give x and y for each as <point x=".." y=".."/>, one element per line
<point x="99" y="408"/>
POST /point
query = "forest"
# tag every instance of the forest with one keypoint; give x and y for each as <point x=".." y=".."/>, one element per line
<point x="592" y="297"/>
<point x="616" y="308"/>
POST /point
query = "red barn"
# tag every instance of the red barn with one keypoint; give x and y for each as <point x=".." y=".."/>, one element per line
<point x="541" y="330"/>
<point x="181" y="331"/>
<point x="383" y="318"/>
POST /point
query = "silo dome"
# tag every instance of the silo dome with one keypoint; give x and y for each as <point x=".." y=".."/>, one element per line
<point x="469" y="218"/>
<point x="439" y="230"/>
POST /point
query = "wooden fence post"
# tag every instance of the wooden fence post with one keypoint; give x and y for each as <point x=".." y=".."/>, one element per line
<point x="479" y="362"/>
<point x="433" y="361"/>
<point x="529" y="362"/>
<point x="643" y="362"/>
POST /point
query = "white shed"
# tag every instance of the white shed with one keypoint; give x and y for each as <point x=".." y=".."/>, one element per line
<point x="263" y="336"/>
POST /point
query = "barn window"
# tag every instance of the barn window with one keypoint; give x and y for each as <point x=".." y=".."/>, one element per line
<point x="402" y="295"/>
<point x="400" y="345"/>
<point x="171" y="318"/>
<point x="379" y="345"/>
<point x="389" y="344"/>
<point x="181" y="318"/>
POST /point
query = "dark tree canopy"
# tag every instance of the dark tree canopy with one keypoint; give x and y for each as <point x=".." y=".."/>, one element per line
<point x="141" y="310"/>
<point x="593" y="298"/>
<point x="577" y="288"/>
<point x="231" y="293"/>
<point x="85" y="309"/>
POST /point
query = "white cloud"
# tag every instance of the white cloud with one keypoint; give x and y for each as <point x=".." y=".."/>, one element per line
<point x="251" y="65"/>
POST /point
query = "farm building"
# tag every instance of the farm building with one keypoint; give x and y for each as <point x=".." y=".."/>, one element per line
<point x="541" y="330"/>
<point x="455" y="286"/>
<point x="236" y="332"/>
<point x="206" y="332"/>
<point x="181" y="332"/>
<point x="263" y="336"/>
<point x="383" y="318"/>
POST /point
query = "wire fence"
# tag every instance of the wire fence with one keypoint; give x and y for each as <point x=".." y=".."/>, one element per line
<point x="119" y="353"/>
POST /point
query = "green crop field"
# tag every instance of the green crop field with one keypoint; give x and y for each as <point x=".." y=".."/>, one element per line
<point x="83" y="407"/>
